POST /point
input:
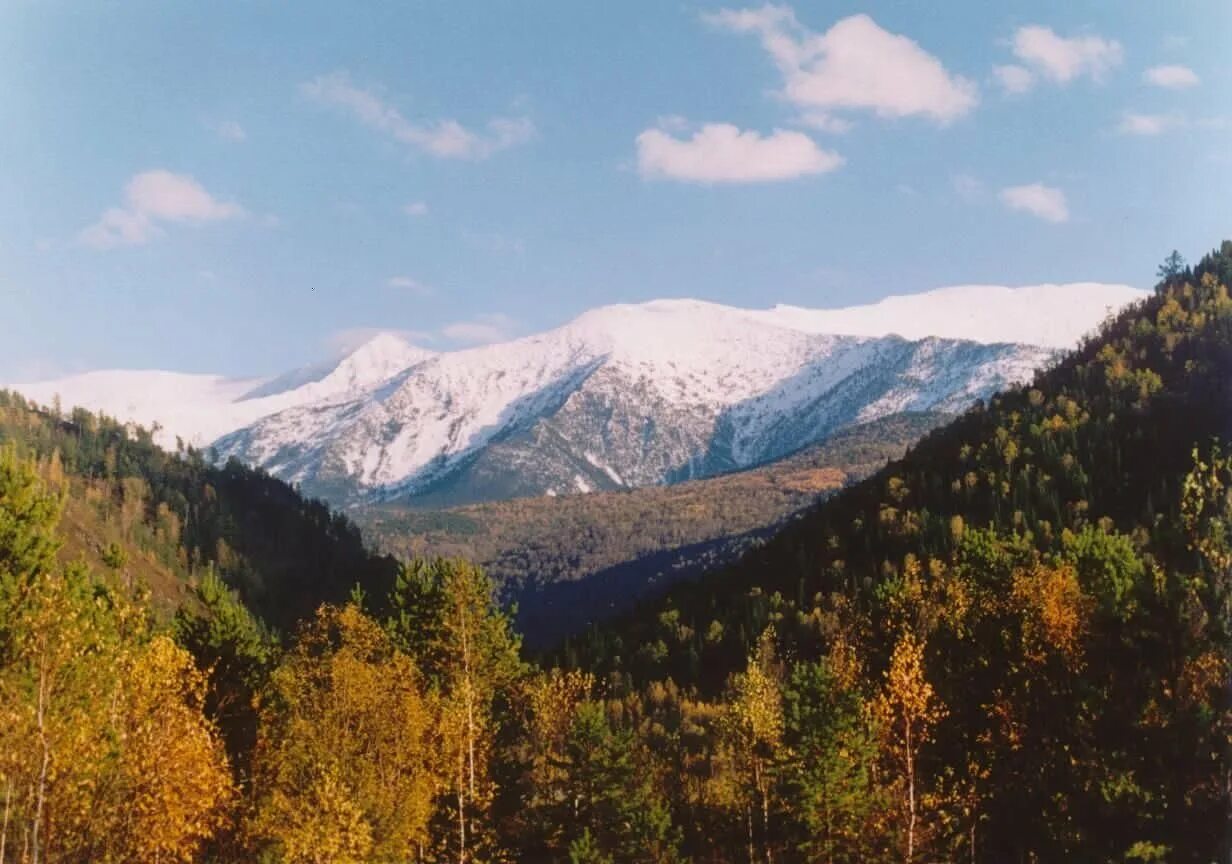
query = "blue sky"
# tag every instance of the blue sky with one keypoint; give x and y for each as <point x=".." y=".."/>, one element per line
<point x="240" y="187"/>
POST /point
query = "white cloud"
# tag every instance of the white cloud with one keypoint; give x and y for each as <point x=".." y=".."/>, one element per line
<point x="406" y="283"/>
<point x="1063" y="60"/>
<point x="1148" y="124"/>
<point x="151" y="198"/>
<point x="1045" y="202"/>
<point x="855" y="65"/>
<point x="1014" y="79"/>
<point x="229" y="130"/>
<point x="447" y="139"/>
<point x="416" y="208"/>
<point x="1171" y="77"/>
<point x="119" y="227"/>
<point x="483" y="330"/>
<point x="176" y="198"/>
<point x="722" y="153"/>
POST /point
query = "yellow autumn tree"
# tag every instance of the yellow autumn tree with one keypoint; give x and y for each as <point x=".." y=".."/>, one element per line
<point x="552" y="700"/>
<point x="1054" y="611"/>
<point x="907" y="711"/>
<point x="348" y="758"/>
<point x="750" y="737"/>
<point x="105" y="754"/>
<point x="172" y="784"/>
<point x="106" y="751"/>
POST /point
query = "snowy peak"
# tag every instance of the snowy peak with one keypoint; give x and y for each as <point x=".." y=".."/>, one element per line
<point x="1050" y="315"/>
<point x="621" y="396"/>
<point x="375" y="361"/>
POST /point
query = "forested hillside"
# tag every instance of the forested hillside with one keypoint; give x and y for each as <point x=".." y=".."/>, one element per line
<point x="173" y="517"/>
<point x="571" y="560"/>
<point x="1025" y="623"/>
<point x="1010" y="645"/>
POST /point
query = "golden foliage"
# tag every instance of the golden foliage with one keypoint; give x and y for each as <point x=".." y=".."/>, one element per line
<point x="1055" y="612"/>
<point x="347" y="756"/>
<point x="102" y="738"/>
<point x="174" y="778"/>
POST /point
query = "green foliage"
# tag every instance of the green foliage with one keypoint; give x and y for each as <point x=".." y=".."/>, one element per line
<point x="28" y="521"/>
<point x="284" y="554"/>
<point x="831" y="762"/>
<point x="609" y="806"/>
<point x="235" y="650"/>
<point x="585" y="850"/>
<point x="1109" y="567"/>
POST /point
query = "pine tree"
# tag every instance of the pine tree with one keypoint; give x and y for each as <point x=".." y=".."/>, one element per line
<point x="1173" y="266"/>
<point x="830" y="766"/>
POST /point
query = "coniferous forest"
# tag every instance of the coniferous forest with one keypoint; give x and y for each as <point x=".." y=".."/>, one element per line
<point x="1011" y="645"/>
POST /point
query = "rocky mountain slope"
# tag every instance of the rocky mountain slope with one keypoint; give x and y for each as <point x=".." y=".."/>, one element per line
<point x="622" y="397"/>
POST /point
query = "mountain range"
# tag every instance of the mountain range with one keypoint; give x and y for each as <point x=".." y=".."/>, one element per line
<point x="623" y="396"/>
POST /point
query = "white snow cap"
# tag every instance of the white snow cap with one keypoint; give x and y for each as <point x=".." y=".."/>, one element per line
<point x="689" y="351"/>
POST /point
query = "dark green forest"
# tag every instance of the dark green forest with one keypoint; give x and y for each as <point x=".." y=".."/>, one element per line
<point x="1010" y="645"/>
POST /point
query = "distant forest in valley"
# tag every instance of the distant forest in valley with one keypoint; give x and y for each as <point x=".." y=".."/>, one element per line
<point x="1011" y="643"/>
<point x="572" y="560"/>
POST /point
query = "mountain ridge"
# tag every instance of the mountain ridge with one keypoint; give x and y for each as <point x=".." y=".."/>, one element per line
<point x="622" y="396"/>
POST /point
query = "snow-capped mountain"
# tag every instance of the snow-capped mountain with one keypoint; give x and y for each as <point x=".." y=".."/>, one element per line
<point x="623" y="396"/>
<point x="199" y="408"/>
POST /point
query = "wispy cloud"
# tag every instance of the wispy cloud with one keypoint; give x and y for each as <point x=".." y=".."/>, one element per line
<point x="415" y="208"/>
<point x="153" y="199"/>
<point x="1171" y="77"/>
<point x="408" y="284"/>
<point x="1043" y="202"/>
<point x="722" y="153"/>
<point x="856" y="65"/>
<point x="1148" y="124"/>
<point x="447" y="139"/>
<point x="1043" y="54"/>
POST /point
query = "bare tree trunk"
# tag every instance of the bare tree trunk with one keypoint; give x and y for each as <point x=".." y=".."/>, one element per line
<point x="910" y="797"/>
<point x="467" y="695"/>
<point x="748" y="818"/>
<point x="461" y="809"/>
<point x="763" y="787"/>
<point x="41" y="795"/>
<point x="4" y="831"/>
